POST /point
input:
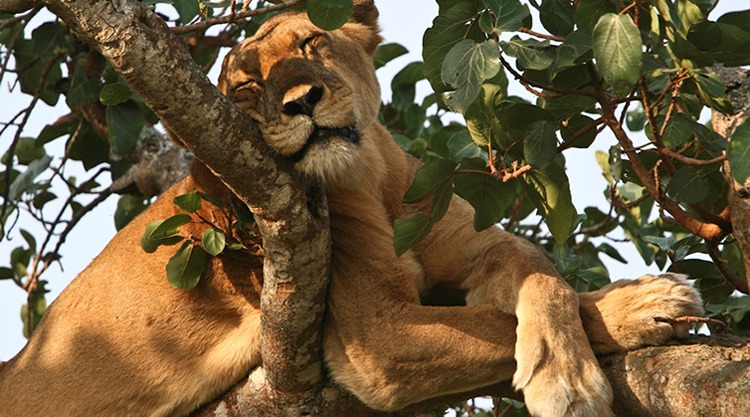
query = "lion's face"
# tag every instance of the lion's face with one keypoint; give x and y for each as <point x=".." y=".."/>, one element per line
<point x="313" y="93"/>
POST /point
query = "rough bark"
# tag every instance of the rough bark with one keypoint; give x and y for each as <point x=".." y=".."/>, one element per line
<point x="737" y="82"/>
<point x="710" y="377"/>
<point x="18" y="6"/>
<point x="159" y="69"/>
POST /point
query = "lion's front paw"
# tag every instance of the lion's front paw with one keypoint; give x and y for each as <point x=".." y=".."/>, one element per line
<point x="561" y="377"/>
<point x="630" y="314"/>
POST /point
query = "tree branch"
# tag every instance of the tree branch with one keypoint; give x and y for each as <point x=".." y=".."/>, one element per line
<point x="156" y="65"/>
<point x="17" y="6"/>
<point x="693" y="225"/>
<point x="706" y="378"/>
<point x="737" y="82"/>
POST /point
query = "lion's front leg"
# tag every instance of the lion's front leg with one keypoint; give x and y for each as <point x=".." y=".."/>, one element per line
<point x="556" y="367"/>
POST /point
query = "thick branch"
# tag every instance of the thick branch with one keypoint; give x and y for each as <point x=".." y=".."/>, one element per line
<point x="737" y="82"/>
<point x="17" y="6"/>
<point x="156" y="65"/>
<point x="709" y="378"/>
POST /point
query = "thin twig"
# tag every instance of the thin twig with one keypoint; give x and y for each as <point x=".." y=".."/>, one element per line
<point x="692" y="161"/>
<point x="721" y="264"/>
<point x="528" y="83"/>
<point x="12" y="148"/>
<point x="232" y="18"/>
<point x="541" y="35"/>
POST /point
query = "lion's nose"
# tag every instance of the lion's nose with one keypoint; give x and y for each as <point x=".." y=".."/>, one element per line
<point x="301" y="99"/>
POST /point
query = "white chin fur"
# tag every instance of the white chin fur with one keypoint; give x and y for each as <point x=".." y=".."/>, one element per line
<point x="329" y="161"/>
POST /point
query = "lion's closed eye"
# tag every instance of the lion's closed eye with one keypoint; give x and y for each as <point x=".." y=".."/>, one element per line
<point x="250" y="85"/>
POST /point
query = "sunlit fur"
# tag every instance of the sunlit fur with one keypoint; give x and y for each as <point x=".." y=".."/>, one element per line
<point x="119" y="341"/>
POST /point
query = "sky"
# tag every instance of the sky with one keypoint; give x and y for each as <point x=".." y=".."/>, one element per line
<point x="399" y="23"/>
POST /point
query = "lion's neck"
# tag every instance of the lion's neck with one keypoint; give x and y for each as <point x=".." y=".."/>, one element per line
<point x="381" y="177"/>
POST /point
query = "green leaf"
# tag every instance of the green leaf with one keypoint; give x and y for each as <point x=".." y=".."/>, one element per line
<point x="210" y="199"/>
<point x="29" y="238"/>
<point x="741" y="19"/>
<point x="27" y="151"/>
<point x="214" y="241"/>
<point x="403" y="85"/>
<point x="467" y="65"/>
<point x="185" y="267"/>
<point x="566" y="261"/>
<point x="530" y="54"/>
<point x="157" y="234"/>
<point x="590" y="11"/>
<point x="689" y="185"/>
<point x="42" y="198"/>
<point x="49" y="39"/>
<point x="114" y="94"/>
<point x="19" y="261"/>
<point x="713" y="91"/>
<point x="190" y="202"/>
<point x="575" y="125"/>
<point x="514" y="118"/>
<point x="125" y="122"/>
<point x="550" y="192"/>
<point x="409" y="232"/>
<point x="88" y="147"/>
<point x="128" y="206"/>
<point x="26" y="179"/>
<point x="386" y="53"/>
<point x="435" y="177"/>
<point x="52" y="132"/>
<point x="636" y="119"/>
<point x="448" y="28"/>
<point x="6" y="273"/>
<point x="455" y="145"/>
<point x="664" y="243"/>
<point x="481" y="121"/>
<point x="187" y="9"/>
<point x="170" y="226"/>
<point x="617" y="50"/>
<point x="32" y="312"/>
<point x="610" y="251"/>
<point x="540" y="144"/>
<point x="487" y="195"/>
<point x="557" y="16"/>
<point x="329" y="14"/>
<point x="82" y="88"/>
<point x="510" y="14"/>
<point x="739" y="152"/>
<point x="679" y="130"/>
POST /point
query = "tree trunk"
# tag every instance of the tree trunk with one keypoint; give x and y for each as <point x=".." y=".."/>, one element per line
<point x="141" y="48"/>
<point x="737" y="82"/>
<point x="296" y="240"/>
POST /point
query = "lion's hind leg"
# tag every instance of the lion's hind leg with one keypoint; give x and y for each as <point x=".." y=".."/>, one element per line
<point x="629" y="314"/>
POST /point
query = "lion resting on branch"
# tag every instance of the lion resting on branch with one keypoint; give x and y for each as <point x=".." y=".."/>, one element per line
<point x="119" y="341"/>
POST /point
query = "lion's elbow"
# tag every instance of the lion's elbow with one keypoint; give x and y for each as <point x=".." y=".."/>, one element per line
<point x="372" y="383"/>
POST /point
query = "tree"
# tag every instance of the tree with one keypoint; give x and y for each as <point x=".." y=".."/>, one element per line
<point x="599" y="66"/>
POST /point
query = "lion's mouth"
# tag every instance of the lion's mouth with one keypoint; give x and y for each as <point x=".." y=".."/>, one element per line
<point x="320" y="135"/>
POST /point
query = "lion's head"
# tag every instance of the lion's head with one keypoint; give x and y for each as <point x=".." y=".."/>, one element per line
<point x="313" y="93"/>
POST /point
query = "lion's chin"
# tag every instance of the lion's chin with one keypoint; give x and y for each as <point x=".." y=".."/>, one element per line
<point x="329" y="153"/>
<point x="327" y="137"/>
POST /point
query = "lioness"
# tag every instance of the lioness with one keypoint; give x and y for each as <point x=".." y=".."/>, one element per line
<point x="119" y="341"/>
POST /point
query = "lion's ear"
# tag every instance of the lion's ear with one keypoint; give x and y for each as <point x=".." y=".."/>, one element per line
<point x="366" y="13"/>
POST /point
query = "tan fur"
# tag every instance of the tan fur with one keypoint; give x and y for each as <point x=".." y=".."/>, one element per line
<point x="119" y="341"/>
